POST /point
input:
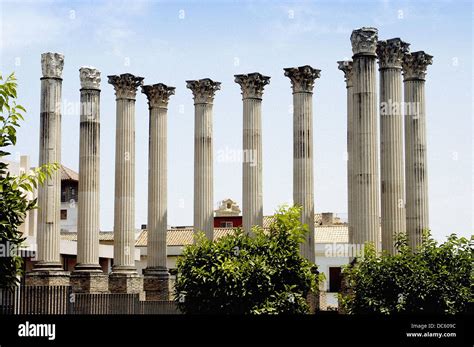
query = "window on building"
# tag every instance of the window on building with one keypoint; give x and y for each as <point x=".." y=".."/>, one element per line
<point x="227" y="224"/>
<point x="68" y="191"/>
<point x="63" y="214"/>
<point x="335" y="279"/>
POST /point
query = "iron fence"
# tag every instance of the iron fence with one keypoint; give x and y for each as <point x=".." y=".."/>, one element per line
<point x="61" y="300"/>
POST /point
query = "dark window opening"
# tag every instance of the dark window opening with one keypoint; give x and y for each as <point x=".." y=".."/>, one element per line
<point x="335" y="279"/>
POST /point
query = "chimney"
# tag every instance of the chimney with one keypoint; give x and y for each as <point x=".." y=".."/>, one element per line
<point x="327" y="218"/>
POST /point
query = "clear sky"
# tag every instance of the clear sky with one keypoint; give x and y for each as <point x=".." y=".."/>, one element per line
<point x="171" y="42"/>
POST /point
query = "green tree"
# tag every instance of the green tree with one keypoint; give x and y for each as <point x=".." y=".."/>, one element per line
<point x="241" y="274"/>
<point x="14" y="203"/>
<point x="433" y="279"/>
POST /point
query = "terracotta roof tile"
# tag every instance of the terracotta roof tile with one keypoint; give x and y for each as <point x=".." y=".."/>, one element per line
<point x="68" y="174"/>
<point x="184" y="236"/>
<point x="337" y="233"/>
<point x="72" y="236"/>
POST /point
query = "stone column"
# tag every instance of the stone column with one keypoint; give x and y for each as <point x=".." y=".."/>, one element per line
<point x="25" y="168"/>
<point x="416" y="170"/>
<point x="302" y="81"/>
<point x="203" y="92"/>
<point x="88" y="276"/>
<point x="346" y="68"/>
<point x="367" y="226"/>
<point x="252" y="86"/>
<point x="49" y="270"/>
<point x="390" y="54"/>
<point x="156" y="279"/>
<point x="124" y="277"/>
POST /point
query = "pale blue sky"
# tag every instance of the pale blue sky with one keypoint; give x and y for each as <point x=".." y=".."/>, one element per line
<point x="171" y="42"/>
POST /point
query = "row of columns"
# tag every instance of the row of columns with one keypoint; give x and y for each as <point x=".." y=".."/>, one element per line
<point x="403" y="179"/>
<point x="87" y="275"/>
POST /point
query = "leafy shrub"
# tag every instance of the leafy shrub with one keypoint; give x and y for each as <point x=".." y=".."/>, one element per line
<point x="433" y="279"/>
<point x="261" y="273"/>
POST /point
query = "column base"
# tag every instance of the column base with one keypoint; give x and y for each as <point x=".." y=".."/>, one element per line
<point x="125" y="270"/>
<point x="129" y="283"/>
<point x="156" y="284"/>
<point x="313" y="301"/>
<point x="47" y="278"/>
<point x="89" y="282"/>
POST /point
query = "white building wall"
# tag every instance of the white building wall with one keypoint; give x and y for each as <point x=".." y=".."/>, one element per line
<point x="69" y="224"/>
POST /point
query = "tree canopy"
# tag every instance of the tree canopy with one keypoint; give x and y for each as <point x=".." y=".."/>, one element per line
<point x="14" y="203"/>
<point x="433" y="278"/>
<point x="262" y="273"/>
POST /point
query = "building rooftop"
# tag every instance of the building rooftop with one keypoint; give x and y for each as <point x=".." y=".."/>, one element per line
<point x="184" y="236"/>
<point x="68" y="175"/>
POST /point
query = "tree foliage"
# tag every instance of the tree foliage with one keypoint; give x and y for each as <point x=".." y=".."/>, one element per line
<point x="241" y="274"/>
<point x="433" y="279"/>
<point x="14" y="203"/>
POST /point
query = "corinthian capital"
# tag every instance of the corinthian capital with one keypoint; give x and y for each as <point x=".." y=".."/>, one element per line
<point x="90" y="77"/>
<point x="158" y="94"/>
<point x="302" y="78"/>
<point x="52" y="64"/>
<point x="252" y="85"/>
<point x="415" y="64"/>
<point x="203" y="90"/>
<point x="391" y="52"/>
<point x="125" y="85"/>
<point x="346" y="67"/>
<point x="364" y="41"/>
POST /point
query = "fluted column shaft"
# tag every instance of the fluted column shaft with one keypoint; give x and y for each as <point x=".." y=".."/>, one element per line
<point x="157" y="188"/>
<point x="252" y="203"/>
<point x="158" y="96"/>
<point x="203" y="91"/>
<point x="203" y="170"/>
<point x="302" y="79"/>
<point x="124" y="216"/>
<point x="252" y="86"/>
<point x="303" y="181"/>
<point x="390" y="54"/>
<point x="346" y="67"/>
<point x="416" y="168"/>
<point x="88" y="226"/>
<point x="366" y="228"/>
<point x="124" y="209"/>
<point x="49" y="193"/>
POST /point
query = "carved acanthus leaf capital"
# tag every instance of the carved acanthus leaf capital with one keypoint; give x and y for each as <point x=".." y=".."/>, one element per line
<point x="252" y="85"/>
<point x="302" y="78"/>
<point x="391" y="52"/>
<point x="52" y="64"/>
<point x="203" y="90"/>
<point x="364" y="40"/>
<point x="415" y="64"/>
<point x="158" y="94"/>
<point x="90" y="77"/>
<point x="125" y="85"/>
<point x="346" y="67"/>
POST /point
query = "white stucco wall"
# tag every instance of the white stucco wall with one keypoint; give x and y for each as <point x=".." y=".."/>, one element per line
<point x="69" y="224"/>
